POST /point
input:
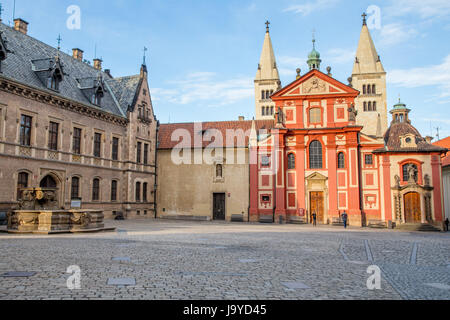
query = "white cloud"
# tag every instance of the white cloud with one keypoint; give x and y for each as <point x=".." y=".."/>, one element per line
<point x="435" y="75"/>
<point x="204" y="87"/>
<point x="395" y="33"/>
<point x="341" y="55"/>
<point x="309" y="7"/>
<point x="425" y="9"/>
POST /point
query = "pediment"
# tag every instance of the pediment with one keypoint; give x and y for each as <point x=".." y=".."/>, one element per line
<point x="315" y="83"/>
<point x="316" y="176"/>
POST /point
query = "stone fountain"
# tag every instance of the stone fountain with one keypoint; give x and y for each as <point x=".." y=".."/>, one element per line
<point x="40" y="213"/>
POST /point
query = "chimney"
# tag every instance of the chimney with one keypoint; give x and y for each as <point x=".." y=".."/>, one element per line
<point x="241" y="118"/>
<point x="21" y="26"/>
<point x="108" y="72"/>
<point x="429" y="139"/>
<point x="77" y="54"/>
<point x="98" y="64"/>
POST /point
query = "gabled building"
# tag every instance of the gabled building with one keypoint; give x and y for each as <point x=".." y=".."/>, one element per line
<point x="68" y="125"/>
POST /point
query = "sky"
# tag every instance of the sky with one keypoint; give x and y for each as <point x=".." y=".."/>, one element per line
<point x="203" y="54"/>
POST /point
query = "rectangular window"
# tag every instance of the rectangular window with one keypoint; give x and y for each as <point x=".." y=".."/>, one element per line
<point x="97" y="145"/>
<point x="369" y="159"/>
<point x="22" y="182"/>
<point x="114" y="190"/>
<point x="115" y="149"/>
<point x="146" y="153"/>
<point x="144" y="192"/>
<point x="315" y="115"/>
<point x="53" y="136"/>
<point x="25" y="130"/>
<point x="265" y="161"/>
<point x="76" y="148"/>
<point x="96" y="190"/>
<point x="138" y="152"/>
<point x="138" y="192"/>
<point x="75" y="194"/>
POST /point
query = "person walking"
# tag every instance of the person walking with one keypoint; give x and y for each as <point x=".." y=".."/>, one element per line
<point x="345" y="219"/>
<point x="314" y="216"/>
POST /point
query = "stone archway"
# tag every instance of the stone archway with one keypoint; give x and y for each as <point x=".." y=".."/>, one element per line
<point x="51" y="180"/>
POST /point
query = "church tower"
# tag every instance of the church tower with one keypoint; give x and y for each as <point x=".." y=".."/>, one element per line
<point x="267" y="81"/>
<point x="369" y="78"/>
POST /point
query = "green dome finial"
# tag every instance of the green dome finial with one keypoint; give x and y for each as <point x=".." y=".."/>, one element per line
<point x="314" y="57"/>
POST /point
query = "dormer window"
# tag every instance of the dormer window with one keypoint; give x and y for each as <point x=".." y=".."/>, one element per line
<point x="52" y="83"/>
<point x="96" y="97"/>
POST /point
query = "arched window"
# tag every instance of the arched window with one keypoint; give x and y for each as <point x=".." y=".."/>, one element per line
<point x="22" y="182"/>
<point x="365" y="106"/>
<point x="96" y="190"/>
<point x="315" y="115"/>
<point x="369" y="91"/>
<point x="75" y="190"/>
<point x="364" y="89"/>
<point x="408" y="169"/>
<point x="48" y="182"/>
<point x="263" y="94"/>
<point x="291" y="161"/>
<point x="271" y="111"/>
<point x="267" y="111"/>
<point x="138" y="192"/>
<point x="374" y="106"/>
<point x="219" y="171"/>
<point x="341" y="160"/>
<point x="374" y="91"/>
<point x="369" y="108"/>
<point x="263" y="111"/>
<point x="267" y="94"/>
<point x="315" y="155"/>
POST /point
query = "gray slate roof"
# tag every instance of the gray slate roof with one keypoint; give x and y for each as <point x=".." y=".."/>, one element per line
<point x="28" y="51"/>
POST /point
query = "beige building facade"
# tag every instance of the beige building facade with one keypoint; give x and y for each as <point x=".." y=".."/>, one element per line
<point x="68" y="125"/>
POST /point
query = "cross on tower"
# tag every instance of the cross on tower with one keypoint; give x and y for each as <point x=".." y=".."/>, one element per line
<point x="145" y="51"/>
<point x="59" y="42"/>
<point x="364" y="15"/>
<point x="267" y="25"/>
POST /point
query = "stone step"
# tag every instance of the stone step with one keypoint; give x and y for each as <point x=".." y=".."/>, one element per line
<point x="418" y="227"/>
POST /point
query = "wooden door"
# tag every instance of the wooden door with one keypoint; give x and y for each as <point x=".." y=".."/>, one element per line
<point x="413" y="212"/>
<point x="317" y="206"/>
<point x="219" y="206"/>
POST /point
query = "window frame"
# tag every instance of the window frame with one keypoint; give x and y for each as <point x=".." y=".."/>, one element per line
<point x="139" y="152"/>
<point x="137" y="192"/>
<point x="341" y="160"/>
<point x="20" y="184"/>
<point x="291" y="159"/>
<point x="315" y="160"/>
<point x="312" y="116"/>
<point x="26" y="127"/>
<point x="76" y="140"/>
<point x="114" y="188"/>
<point x="53" y="134"/>
<point x="98" y="145"/>
<point x="96" y="189"/>
<point x="75" y="192"/>
<point x="115" y="148"/>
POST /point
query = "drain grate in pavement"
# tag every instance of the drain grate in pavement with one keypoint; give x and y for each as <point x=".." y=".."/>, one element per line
<point x="247" y="260"/>
<point x="296" y="285"/>
<point x="440" y="286"/>
<point x="121" y="282"/>
<point x="15" y="274"/>
<point x="121" y="259"/>
<point x="214" y="274"/>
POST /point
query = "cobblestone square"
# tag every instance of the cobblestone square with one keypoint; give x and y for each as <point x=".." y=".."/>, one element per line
<point x="168" y="260"/>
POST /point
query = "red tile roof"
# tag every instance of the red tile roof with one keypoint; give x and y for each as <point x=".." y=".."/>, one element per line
<point x="207" y="130"/>
<point x="444" y="143"/>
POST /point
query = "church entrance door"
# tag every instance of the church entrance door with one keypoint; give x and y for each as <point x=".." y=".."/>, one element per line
<point x="413" y="212"/>
<point x="317" y="206"/>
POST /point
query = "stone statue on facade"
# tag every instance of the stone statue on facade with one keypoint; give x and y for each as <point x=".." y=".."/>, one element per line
<point x="352" y="113"/>
<point x="397" y="181"/>
<point x="412" y="173"/>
